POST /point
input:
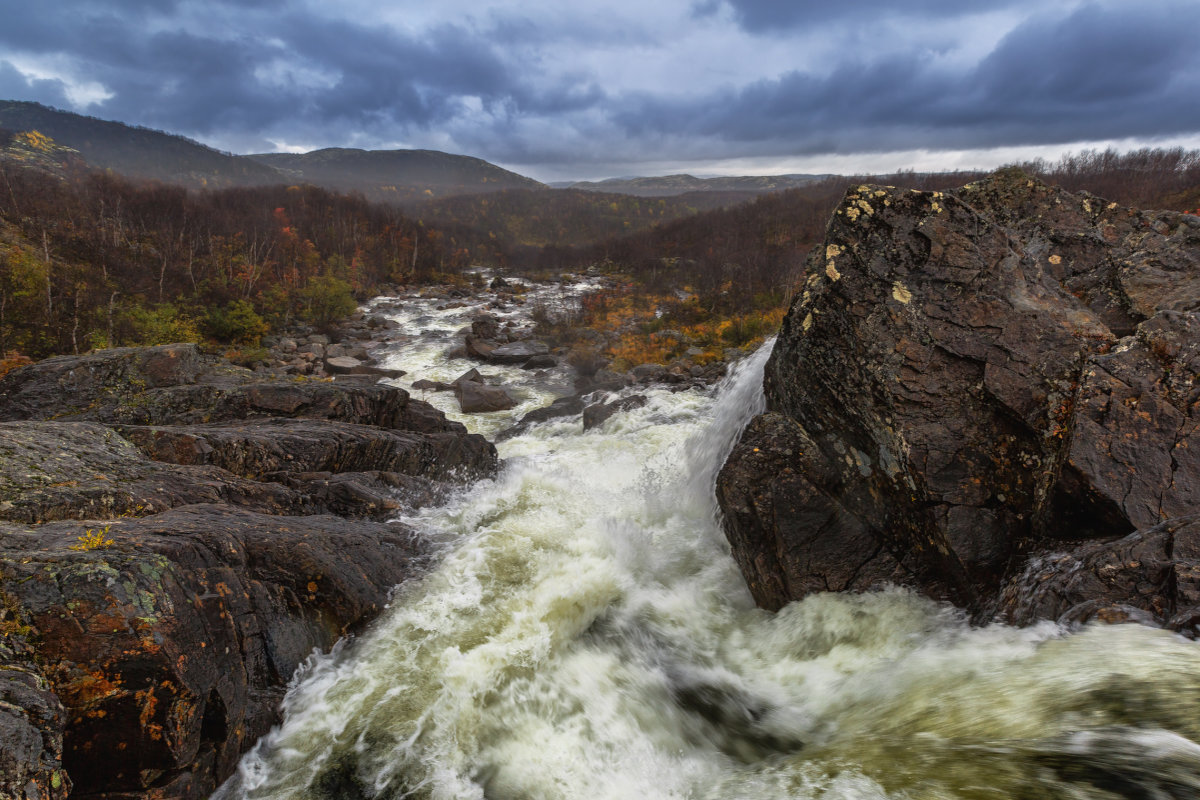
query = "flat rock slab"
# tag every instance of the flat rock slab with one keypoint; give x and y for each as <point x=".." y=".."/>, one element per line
<point x="177" y="542"/>
<point x="80" y="470"/>
<point x="258" y="447"/>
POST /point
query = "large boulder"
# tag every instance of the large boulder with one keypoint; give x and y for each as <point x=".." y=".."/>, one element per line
<point x="965" y="379"/>
<point x="479" y="398"/>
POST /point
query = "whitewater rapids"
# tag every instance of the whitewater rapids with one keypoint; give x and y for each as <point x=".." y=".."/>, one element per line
<point x="587" y="635"/>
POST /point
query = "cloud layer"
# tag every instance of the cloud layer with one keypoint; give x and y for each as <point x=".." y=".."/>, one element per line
<point x="590" y="89"/>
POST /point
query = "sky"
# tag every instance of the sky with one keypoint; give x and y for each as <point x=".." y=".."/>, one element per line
<point x="587" y="90"/>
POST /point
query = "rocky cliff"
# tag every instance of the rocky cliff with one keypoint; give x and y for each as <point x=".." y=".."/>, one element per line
<point x="177" y="535"/>
<point x="989" y="394"/>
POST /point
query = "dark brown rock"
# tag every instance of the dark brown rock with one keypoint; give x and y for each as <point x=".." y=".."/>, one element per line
<point x="518" y="352"/>
<point x="147" y="647"/>
<point x="253" y="448"/>
<point x="32" y="717"/>
<point x="597" y="413"/>
<point x="477" y="398"/>
<point x="80" y="385"/>
<point x="170" y="646"/>
<point x="1150" y="576"/>
<point x="980" y="375"/>
<point x="198" y="390"/>
<point x="561" y="407"/>
<point x="789" y="537"/>
<point x="80" y="470"/>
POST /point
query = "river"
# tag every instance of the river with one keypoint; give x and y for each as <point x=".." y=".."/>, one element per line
<point x="586" y="635"/>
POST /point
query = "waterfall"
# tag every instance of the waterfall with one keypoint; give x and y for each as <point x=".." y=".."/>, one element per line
<point x="587" y="635"/>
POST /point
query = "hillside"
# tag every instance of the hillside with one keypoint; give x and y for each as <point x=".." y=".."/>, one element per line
<point x="669" y="185"/>
<point x="90" y="260"/>
<point x="391" y="176"/>
<point x="136" y="152"/>
<point x="566" y="217"/>
<point x="394" y="175"/>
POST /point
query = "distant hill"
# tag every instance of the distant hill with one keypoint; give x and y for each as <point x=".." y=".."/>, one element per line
<point x="567" y="217"/>
<point x="383" y="175"/>
<point x="136" y="152"/>
<point x="395" y="175"/>
<point x="669" y="185"/>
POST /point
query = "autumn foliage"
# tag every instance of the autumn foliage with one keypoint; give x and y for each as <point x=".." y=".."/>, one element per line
<point x="96" y="260"/>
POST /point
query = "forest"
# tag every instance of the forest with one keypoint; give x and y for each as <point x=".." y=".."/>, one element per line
<point x="89" y="259"/>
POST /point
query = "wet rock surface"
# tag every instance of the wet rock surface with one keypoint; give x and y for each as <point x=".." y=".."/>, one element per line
<point x="967" y="380"/>
<point x="1151" y="576"/>
<point x="178" y="534"/>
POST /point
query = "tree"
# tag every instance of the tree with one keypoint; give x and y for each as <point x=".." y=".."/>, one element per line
<point x="236" y="323"/>
<point x="325" y="300"/>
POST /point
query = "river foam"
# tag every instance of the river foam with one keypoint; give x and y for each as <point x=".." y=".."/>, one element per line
<point x="587" y="635"/>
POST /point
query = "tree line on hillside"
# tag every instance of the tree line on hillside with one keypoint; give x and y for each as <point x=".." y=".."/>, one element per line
<point x="536" y="218"/>
<point x="746" y="257"/>
<point x="97" y="260"/>
<point x="91" y="259"/>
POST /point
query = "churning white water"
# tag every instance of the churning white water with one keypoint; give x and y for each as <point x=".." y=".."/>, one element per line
<point x="587" y="635"/>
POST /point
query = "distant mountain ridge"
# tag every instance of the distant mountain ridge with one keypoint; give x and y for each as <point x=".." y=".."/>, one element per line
<point x="395" y="175"/>
<point x="136" y="152"/>
<point x="668" y="185"/>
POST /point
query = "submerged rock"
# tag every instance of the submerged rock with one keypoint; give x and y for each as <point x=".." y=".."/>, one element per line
<point x="967" y="379"/>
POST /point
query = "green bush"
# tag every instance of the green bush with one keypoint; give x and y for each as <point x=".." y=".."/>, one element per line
<point x="326" y="300"/>
<point x="236" y="323"/>
<point x="162" y="324"/>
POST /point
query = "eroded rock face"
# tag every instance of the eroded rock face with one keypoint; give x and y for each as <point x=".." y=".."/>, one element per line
<point x="971" y="377"/>
<point x="1150" y="576"/>
<point x="171" y="646"/>
<point x="176" y="536"/>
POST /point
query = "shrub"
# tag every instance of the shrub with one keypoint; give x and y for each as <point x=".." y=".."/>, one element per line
<point x="326" y="300"/>
<point x="236" y="323"/>
<point x="11" y="360"/>
<point x="163" y="324"/>
<point x="93" y="539"/>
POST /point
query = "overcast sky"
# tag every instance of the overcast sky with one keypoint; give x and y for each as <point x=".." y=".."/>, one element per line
<point x="585" y="89"/>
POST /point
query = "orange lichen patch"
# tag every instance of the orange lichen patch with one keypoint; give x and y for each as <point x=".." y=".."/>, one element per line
<point x="312" y="586"/>
<point x="111" y="621"/>
<point x="87" y="688"/>
<point x="149" y="705"/>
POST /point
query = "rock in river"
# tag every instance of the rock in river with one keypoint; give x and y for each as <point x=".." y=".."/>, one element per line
<point x="966" y="380"/>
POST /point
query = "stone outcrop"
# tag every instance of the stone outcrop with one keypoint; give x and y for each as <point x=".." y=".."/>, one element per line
<point x="489" y="343"/>
<point x="968" y="379"/>
<point x="176" y="536"/>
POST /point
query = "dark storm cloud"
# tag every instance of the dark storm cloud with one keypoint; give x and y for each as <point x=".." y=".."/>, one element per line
<point x="766" y="16"/>
<point x="532" y="83"/>
<point x="243" y="76"/>
<point x="1101" y="72"/>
